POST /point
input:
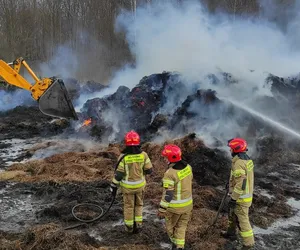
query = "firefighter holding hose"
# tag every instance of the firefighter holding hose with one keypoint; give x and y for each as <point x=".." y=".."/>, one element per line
<point x="241" y="191"/>
<point x="130" y="175"/>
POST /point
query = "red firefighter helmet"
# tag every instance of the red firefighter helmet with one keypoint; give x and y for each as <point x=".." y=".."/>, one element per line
<point x="132" y="138"/>
<point x="172" y="152"/>
<point x="238" y="145"/>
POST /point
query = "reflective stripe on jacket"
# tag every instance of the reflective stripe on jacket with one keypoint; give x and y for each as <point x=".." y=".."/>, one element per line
<point x="242" y="180"/>
<point x="179" y="184"/>
<point x="133" y="166"/>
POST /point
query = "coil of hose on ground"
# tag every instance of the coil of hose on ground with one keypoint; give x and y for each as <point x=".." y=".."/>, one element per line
<point x="86" y="221"/>
<point x="101" y="214"/>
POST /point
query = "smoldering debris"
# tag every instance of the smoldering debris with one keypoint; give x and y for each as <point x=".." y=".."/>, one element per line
<point x="28" y="122"/>
<point x="165" y="104"/>
<point x="57" y="183"/>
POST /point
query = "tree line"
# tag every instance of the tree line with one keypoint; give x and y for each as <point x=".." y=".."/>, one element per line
<point x="34" y="28"/>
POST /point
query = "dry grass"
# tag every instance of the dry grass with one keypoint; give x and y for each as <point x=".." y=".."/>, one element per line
<point x="93" y="165"/>
<point x="98" y="165"/>
<point x="13" y="174"/>
<point x="66" y="167"/>
<point x="48" y="236"/>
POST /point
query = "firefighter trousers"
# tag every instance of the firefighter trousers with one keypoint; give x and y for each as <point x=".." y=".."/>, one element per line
<point x="239" y="217"/>
<point x="176" y="225"/>
<point x="133" y="209"/>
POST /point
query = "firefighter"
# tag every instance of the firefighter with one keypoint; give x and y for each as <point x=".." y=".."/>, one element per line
<point x="241" y="191"/>
<point x="130" y="175"/>
<point x="177" y="203"/>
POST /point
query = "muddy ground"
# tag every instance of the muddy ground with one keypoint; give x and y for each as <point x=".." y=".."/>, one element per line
<point x="37" y="202"/>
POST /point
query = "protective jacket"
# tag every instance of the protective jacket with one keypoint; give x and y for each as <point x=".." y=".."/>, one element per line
<point x="177" y="183"/>
<point x="177" y="201"/>
<point x="130" y="175"/>
<point x="242" y="179"/>
<point x="241" y="189"/>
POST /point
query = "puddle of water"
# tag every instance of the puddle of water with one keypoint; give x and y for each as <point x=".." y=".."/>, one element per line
<point x="94" y="234"/>
<point x="119" y="223"/>
<point x="294" y="165"/>
<point x="165" y="245"/>
<point x="15" y="212"/>
<point x="18" y="208"/>
<point x="265" y="193"/>
<point x="41" y="148"/>
<point x="281" y="224"/>
<point x="15" y="150"/>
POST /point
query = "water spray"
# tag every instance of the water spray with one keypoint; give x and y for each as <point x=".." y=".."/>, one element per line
<point x="262" y="116"/>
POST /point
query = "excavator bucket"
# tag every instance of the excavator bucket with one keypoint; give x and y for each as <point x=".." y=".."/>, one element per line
<point x="56" y="102"/>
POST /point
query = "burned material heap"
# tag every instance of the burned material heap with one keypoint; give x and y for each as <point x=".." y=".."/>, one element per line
<point x="168" y="103"/>
<point x="163" y="104"/>
<point x="158" y="102"/>
<point x="136" y="108"/>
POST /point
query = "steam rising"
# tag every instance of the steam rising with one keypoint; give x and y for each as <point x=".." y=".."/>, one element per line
<point x="64" y="63"/>
<point x="189" y="40"/>
<point x="10" y="100"/>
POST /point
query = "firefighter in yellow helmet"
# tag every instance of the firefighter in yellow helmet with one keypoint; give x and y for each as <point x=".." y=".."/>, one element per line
<point x="130" y="175"/>
<point x="177" y="203"/>
<point x="241" y="191"/>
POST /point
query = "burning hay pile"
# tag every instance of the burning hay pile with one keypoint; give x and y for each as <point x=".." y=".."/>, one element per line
<point x="165" y="104"/>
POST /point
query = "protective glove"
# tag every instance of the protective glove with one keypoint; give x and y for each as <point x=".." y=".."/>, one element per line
<point x="113" y="189"/>
<point x="231" y="204"/>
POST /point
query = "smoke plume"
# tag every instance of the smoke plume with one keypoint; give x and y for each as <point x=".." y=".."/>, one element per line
<point x="10" y="100"/>
<point x="189" y="40"/>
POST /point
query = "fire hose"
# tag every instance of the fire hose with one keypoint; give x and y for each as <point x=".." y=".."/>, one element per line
<point x="219" y="209"/>
<point x="100" y="215"/>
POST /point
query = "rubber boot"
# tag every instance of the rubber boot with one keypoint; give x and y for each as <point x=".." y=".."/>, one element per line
<point x="229" y="235"/>
<point x="174" y="247"/>
<point x="247" y="248"/>
<point x="137" y="228"/>
<point x="129" y="229"/>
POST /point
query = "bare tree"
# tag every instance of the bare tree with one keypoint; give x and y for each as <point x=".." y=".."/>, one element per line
<point x="34" y="29"/>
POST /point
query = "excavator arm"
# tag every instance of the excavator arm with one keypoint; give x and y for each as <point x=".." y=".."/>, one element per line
<point x="50" y="93"/>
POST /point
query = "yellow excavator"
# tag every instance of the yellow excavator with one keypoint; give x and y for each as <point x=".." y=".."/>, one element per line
<point x="51" y="93"/>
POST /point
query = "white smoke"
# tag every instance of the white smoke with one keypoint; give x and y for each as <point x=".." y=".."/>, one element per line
<point x="187" y="39"/>
<point x="168" y="37"/>
<point x="190" y="41"/>
<point x="64" y="63"/>
<point x="10" y="100"/>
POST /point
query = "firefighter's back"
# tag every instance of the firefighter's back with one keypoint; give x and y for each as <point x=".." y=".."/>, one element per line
<point x="183" y="199"/>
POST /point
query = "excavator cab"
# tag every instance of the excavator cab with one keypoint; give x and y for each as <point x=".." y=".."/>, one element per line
<point x="51" y="93"/>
